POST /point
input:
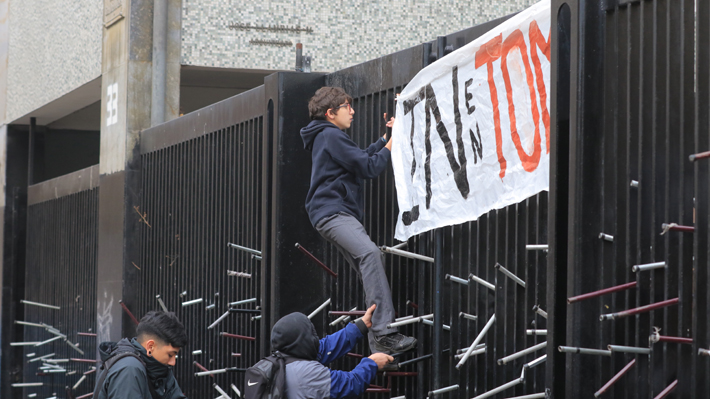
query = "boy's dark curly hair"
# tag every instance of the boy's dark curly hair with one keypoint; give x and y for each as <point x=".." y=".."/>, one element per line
<point x="325" y="99"/>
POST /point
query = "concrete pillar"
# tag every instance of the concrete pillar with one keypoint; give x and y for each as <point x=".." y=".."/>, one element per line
<point x="127" y="84"/>
<point x="167" y="46"/>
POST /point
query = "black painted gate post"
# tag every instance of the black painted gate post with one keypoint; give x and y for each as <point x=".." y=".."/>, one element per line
<point x="292" y="281"/>
<point x="562" y="91"/>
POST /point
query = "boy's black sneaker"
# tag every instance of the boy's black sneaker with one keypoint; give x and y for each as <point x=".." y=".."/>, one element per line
<point x="394" y="343"/>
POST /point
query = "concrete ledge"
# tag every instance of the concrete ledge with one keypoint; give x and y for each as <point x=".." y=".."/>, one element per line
<point x="72" y="183"/>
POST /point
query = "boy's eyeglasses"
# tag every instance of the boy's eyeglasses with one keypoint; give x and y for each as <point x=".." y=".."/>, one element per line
<point x="341" y="106"/>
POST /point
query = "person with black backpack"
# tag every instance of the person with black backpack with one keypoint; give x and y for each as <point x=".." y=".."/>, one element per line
<point x="141" y="368"/>
<point x="305" y="359"/>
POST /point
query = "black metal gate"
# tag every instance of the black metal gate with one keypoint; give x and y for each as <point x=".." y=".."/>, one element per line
<point x="61" y="272"/>
<point x="627" y="120"/>
<point x="201" y="190"/>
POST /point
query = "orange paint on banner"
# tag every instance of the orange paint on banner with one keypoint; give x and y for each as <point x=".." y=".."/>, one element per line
<point x="537" y="40"/>
<point x="516" y="40"/>
<point x="486" y="55"/>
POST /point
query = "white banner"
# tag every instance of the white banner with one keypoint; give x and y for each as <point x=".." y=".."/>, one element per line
<point x="472" y="130"/>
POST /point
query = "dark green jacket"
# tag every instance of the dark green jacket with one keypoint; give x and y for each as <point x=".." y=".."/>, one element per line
<point x="128" y="378"/>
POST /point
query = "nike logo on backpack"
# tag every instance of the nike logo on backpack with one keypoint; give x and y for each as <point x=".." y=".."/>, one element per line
<point x="252" y="384"/>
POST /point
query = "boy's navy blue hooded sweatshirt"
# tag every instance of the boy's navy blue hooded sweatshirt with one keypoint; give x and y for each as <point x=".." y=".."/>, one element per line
<point x="339" y="166"/>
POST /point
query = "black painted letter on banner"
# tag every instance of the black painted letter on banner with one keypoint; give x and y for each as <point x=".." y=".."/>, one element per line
<point x="469" y="96"/>
<point x="476" y="144"/>
<point x="460" y="178"/>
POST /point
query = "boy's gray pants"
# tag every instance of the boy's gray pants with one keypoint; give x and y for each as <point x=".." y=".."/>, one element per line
<point x="351" y="239"/>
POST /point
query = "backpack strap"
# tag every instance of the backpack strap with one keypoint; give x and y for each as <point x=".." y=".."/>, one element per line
<point x="113" y="360"/>
<point x="287" y="359"/>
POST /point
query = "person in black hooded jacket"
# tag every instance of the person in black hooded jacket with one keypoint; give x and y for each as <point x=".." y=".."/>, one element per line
<point x="308" y="377"/>
<point x="335" y="204"/>
<point x="160" y="335"/>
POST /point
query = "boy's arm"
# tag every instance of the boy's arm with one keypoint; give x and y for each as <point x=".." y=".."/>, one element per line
<point x="345" y="384"/>
<point x="376" y="146"/>
<point x="348" y="155"/>
<point x="336" y="345"/>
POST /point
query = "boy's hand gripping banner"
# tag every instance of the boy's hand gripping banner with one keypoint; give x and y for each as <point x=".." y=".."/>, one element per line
<point x="472" y="131"/>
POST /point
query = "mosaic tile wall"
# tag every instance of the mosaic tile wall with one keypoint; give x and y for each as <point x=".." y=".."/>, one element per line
<point x="53" y="49"/>
<point x="336" y="33"/>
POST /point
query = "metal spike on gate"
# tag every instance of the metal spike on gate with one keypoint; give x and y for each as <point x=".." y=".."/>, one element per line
<point x="539" y="311"/>
<point x="536" y="332"/>
<point x="238" y="274"/>
<point x="211" y="326"/>
<point x="640" y="309"/>
<point x="700" y="155"/>
<point x="412" y="320"/>
<point x="319" y="309"/>
<point x="629" y="349"/>
<point x="614" y="379"/>
<point x="510" y="274"/>
<point x="476" y="341"/>
<point x="666" y="227"/>
<point x="649" y="266"/>
<point x="316" y="260"/>
<point x="245" y="249"/>
<point x="468" y="316"/>
<point x="405" y="254"/>
<point x="128" y="312"/>
<point x="343" y="318"/>
<point x="501" y="388"/>
<point x="162" y="305"/>
<point x="595" y="294"/>
<point x="456" y="279"/>
<point x="522" y="353"/>
<point x="43" y="305"/>
<point x="482" y="282"/>
<point x="606" y="237"/>
<point x="537" y="247"/>
<point x="667" y="390"/>
<point x="443" y="390"/>
<point x="220" y="390"/>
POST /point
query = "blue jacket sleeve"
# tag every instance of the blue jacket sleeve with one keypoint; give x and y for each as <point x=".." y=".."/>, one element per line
<point x="336" y="345"/>
<point x="376" y="146"/>
<point x="345" y="384"/>
<point x="348" y="155"/>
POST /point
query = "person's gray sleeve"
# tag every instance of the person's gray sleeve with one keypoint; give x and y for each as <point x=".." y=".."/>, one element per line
<point x="307" y="380"/>
<point x="127" y="381"/>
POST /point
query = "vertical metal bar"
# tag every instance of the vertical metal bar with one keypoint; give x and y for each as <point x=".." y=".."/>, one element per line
<point x="701" y="238"/>
<point x="613" y="189"/>
<point x="647" y="158"/>
<point x="438" y="274"/>
<point x="564" y="53"/>
<point x="31" y="156"/>
<point x="438" y="306"/>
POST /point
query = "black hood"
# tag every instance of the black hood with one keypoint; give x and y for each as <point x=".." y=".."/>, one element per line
<point x="107" y="349"/>
<point x="156" y="371"/>
<point x="296" y="336"/>
<point x="309" y="133"/>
